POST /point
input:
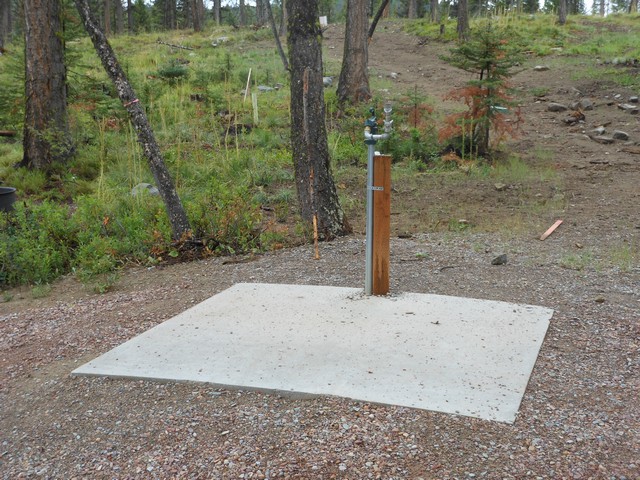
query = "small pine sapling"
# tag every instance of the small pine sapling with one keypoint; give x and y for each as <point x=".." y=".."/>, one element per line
<point x="491" y="57"/>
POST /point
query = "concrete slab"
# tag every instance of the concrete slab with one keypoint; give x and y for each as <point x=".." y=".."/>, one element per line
<point x="448" y="354"/>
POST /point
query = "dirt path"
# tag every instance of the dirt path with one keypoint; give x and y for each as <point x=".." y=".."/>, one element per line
<point x="580" y="417"/>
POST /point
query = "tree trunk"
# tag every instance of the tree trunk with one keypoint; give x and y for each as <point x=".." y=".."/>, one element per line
<point x="413" y="9"/>
<point x="170" y="22"/>
<point x="463" y="20"/>
<point x="262" y="16"/>
<point x="316" y="189"/>
<point x="272" y="22"/>
<point x="602" y="7"/>
<point x="119" y="17"/>
<point x="107" y="17"/>
<point x="46" y="126"/>
<point x="353" y="85"/>
<point x="5" y="23"/>
<point x="633" y="6"/>
<point x="177" y="216"/>
<point x="243" y="14"/>
<point x="562" y="12"/>
<point x="433" y="14"/>
<point x="130" y="25"/>
<point x="284" y="19"/>
<point x="383" y="8"/>
<point x="197" y="9"/>
<point x="216" y="11"/>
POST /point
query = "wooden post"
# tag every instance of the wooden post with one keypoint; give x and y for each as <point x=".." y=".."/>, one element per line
<point x="381" y="223"/>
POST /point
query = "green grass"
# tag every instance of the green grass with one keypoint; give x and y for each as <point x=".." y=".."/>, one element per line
<point x="84" y="218"/>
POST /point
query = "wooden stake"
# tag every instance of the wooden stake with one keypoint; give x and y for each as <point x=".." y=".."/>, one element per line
<point x="381" y="223"/>
<point x="315" y="237"/>
<point x="246" y="90"/>
<point x="254" y="104"/>
<point x="551" y="229"/>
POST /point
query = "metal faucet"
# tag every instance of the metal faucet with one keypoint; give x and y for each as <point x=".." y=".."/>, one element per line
<point x="371" y="136"/>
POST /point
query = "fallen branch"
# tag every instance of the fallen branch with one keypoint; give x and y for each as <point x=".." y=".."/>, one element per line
<point x="8" y="133"/>
<point x="174" y="46"/>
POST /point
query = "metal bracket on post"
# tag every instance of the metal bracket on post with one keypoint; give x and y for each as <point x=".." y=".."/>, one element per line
<point x="371" y="136"/>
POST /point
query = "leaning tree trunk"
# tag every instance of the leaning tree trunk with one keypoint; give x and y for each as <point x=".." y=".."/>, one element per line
<point x="353" y="85"/>
<point x="46" y="126"/>
<point x="316" y="189"/>
<point x="177" y="216"/>
<point x="381" y="9"/>
<point x="274" y="30"/>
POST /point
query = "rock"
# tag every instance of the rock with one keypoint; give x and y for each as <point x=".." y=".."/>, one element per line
<point x="142" y="187"/>
<point x="556" y="107"/>
<point x="585" y="104"/>
<point x="327" y="81"/>
<point x="632" y="109"/>
<point x="541" y="68"/>
<point x="620" y="135"/>
<point x="394" y="75"/>
<point x="602" y="139"/>
<point x="500" y="187"/>
<point x="633" y="99"/>
<point x="599" y="299"/>
<point x="574" y="118"/>
<point x="500" y="260"/>
<point x="264" y="88"/>
<point x="599" y="131"/>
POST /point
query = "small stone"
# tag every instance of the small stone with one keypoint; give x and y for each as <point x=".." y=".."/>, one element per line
<point x="620" y="135"/>
<point x="500" y="260"/>
<point x="599" y="131"/>
<point x="585" y="104"/>
<point x="633" y="99"/>
<point x="500" y="187"/>
<point x="556" y="107"/>
<point x="602" y="139"/>
<point x="264" y="88"/>
<point x="394" y="75"/>
<point x="599" y="300"/>
<point x="141" y="187"/>
<point x="541" y="68"/>
<point x="327" y="81"/>
<point x="627" y="107"/>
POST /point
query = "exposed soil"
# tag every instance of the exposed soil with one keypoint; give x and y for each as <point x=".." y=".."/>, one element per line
<point x="580" y="417"/>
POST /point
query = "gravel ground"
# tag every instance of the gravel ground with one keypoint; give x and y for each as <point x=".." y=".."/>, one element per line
<point x="580" y="417"/>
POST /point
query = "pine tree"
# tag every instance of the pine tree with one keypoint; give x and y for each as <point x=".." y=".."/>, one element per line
<point x="490" y="56"/>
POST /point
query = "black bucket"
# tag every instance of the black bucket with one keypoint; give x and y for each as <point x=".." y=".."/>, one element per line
<point x="7" y="198"/>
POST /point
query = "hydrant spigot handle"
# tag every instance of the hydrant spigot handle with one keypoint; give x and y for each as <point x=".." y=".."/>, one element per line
<point x="372" y="122"/>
